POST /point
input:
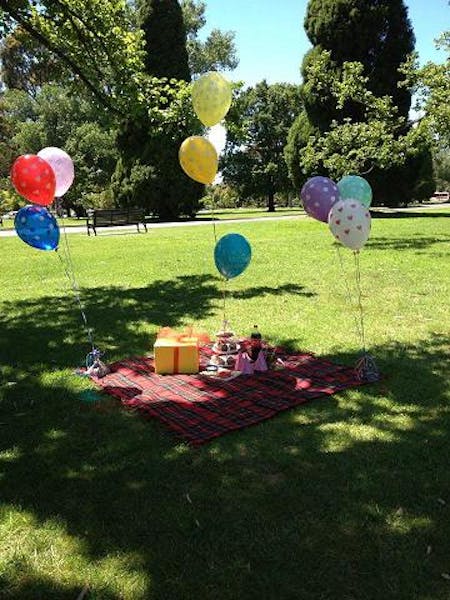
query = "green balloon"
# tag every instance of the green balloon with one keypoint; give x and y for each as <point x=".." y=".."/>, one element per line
<point x="353" y="187"/>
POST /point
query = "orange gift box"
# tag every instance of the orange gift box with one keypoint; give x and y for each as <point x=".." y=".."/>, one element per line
<point x="177" y="352"/>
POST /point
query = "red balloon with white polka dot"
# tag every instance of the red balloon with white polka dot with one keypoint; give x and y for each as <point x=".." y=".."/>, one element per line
<point x="34" y="179"/>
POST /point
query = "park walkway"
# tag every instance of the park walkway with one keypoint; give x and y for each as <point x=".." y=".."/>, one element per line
<point x="204" y="221"/>
<point x="197" y="222"/>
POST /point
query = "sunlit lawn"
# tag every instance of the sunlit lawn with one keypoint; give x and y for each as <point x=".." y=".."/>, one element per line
<point x="345" y="498"/>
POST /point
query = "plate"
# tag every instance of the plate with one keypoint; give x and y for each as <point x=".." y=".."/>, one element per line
<point x="216" y="349"/>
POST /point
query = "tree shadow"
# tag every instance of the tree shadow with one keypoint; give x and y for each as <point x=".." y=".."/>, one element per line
<point x="405" y="214"/>
<point x="353" y="488"/>
<point x="117" y="316"/>
<point x="416" y="243"/>
<point x="262" y="290"/>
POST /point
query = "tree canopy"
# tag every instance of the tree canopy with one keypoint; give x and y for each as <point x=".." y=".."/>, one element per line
<point x="356" y="101"/>
<point x="95" y="39"/>
<point x="148" y="172"/>
<point x="258" y="124"/>
<point x="431" y="85"/>
<point x="217" y="52"/>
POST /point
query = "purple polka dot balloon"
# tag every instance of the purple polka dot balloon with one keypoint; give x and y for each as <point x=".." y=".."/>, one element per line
<point x="318" y="196"/>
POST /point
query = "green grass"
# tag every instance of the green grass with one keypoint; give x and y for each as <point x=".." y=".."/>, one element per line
<point x="347" y="497"/>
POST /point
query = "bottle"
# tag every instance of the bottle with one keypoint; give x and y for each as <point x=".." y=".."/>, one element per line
<point x="255" y="343"/>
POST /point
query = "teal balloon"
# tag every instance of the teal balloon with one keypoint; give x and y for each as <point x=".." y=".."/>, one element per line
<point x="232" y="255"/>
<point x="37" y="227"/>
<point x="353" y="187"/>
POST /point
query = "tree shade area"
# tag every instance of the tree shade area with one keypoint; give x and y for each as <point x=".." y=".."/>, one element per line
<point x="356" y="102"/>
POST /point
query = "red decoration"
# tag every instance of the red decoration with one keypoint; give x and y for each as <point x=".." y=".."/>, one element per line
<point x="34" y="179"/>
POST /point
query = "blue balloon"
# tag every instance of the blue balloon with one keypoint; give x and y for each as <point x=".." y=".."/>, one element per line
<point x="353" y="187"/>
<point x="37" y="227"/>
<point x="232" y="255"/>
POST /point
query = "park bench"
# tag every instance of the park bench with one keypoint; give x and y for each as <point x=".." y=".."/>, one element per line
<point x="115" y="216"/>
<point x="441" y="196"/>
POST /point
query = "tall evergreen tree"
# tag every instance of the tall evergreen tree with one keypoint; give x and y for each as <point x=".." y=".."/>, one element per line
<point x="148" y="173"/>
<point x="165" y="39"/>
<point x="377" y="34"/>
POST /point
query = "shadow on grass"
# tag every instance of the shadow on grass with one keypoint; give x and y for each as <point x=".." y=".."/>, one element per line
<point x="345" y="497"/>
<point x="401" y="214"/>
<point x="118" y="316"/>
<point x="418" y="243"/>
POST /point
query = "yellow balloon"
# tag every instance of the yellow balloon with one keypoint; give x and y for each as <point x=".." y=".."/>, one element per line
<point x="198" y="159"/>
<point x="211" y="98"/>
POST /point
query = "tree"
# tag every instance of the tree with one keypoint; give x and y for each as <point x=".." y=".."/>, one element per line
<point x="95" y="39"/>
<point x="26" y="64"/>
<point x="442" y="169"/>
<point x="148" y="172"/>
<point x="56" y="118"/>
<point x="102" y="44"/>
<point x="258" y="124"/>
<point x="217" y="52"/>
<point x="431" y="85"/>
<point x="355" y="116"/>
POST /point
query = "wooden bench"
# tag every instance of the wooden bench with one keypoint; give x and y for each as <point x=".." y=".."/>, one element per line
<point x="115" y="216"/>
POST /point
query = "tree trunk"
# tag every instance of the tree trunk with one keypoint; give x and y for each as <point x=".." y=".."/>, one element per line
<point x="271" y="202"/>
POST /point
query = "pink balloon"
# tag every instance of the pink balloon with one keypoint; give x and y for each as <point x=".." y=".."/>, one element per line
<point x="62" y="165"/>
<point x="350" y="222"/>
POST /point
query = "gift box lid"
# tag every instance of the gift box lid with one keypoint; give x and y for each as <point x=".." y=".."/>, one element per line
<point x="168" y="342"/>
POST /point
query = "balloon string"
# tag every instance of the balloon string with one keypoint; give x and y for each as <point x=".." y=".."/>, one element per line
<point x="78" y="300"/>
<point x="349" y="295"/>
<point x="360" y="306"/>
<point x="68" y="253"/>
<point x="213" y="217"/>
<point x="225" y="281"/>
<point x="70" y="274"/>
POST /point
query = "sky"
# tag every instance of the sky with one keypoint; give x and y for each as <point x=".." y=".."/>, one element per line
<point x="271" y="40"/>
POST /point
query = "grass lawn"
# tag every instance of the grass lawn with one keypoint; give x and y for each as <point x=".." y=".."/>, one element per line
<point x="346" y="498"/>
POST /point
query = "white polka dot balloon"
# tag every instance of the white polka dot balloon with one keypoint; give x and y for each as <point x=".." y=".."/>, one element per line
<point x="350" y="222"/>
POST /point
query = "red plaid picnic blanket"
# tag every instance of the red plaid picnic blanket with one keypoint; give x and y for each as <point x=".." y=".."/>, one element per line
<point x="198" y="408"/>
